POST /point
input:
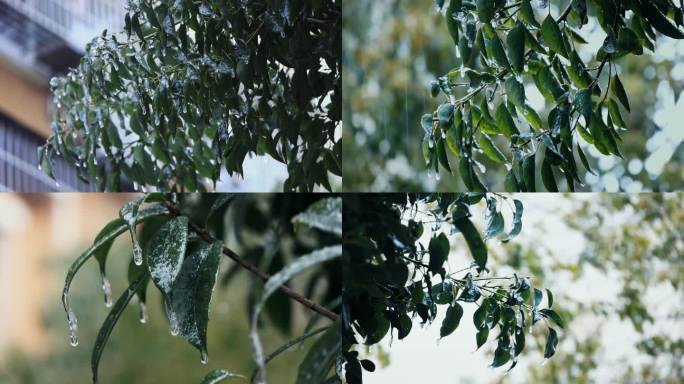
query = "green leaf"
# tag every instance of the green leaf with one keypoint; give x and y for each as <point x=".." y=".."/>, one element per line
<point x="614" y="111"/>
<point x="584" y="160"/>
<point x="485" y="10"/>
<point x="519" y="341"/>
<point x="135" y="23"/>
<point x="511" y="182"/>
<point x="321" y="357"/>
<point x="102" y="251"/>
<point x="491" y="150"/>
<point x="552" y="315"/>
<point x="551" y="343"/>
<point x="548" y="178"/>
<point x="192" y="291"/>
<point x="291" y="270"/>
<point x="533" y="118"/>
<point x="553" y="37"/>
<point x="477" y="247"/>
<point x="659" y="21"/>
<point x="515" y="91"/>
<point x="505" y="122"/>
<point x="218" y="375"/>
<point x="501" y="356"/>
<point x="165" y="252"/>
<point x="452" y="23"/>
<point x="619" y="91"/>
<point x="110" y="322"/>
<point x="451" y="319"/>
<point x="549" y="297"/>
<point x="439" y="252"/>
<point x="325" y="214"/>
<point x="221" y="201"/>
<point x="603" y="138"/>
<point x="516" y="47"/>
<point x="481" y="336"/>
<point x="496" y="50"/>
<point x="583" y="103"/>
<point x="529" y="173"/>
<point x="527" y="13"/>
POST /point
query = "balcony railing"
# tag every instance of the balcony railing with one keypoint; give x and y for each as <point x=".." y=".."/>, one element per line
<point x="76" y="21"/>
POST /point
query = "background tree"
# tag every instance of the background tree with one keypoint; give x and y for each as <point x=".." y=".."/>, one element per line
<point x="389" y="68"/>
<point x="393" y="273"/>
<point x="179" y="248"/>
<point x="191" y="87"/>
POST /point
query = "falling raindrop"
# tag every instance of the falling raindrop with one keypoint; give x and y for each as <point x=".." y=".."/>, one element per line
<point x="107" y="289"/>
<point x="143" y="312"/>
<point x="203" y="357"/>
<point x="437" y="176"/>
<point x="544" y="362"/>
<point x="431" y="143"/>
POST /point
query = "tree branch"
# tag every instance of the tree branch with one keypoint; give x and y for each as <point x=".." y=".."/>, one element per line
<point x="206" y="236"/>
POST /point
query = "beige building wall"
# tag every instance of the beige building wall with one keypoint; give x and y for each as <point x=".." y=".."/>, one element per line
<point x="24" y="98"/>
<point x="33" y="229"/>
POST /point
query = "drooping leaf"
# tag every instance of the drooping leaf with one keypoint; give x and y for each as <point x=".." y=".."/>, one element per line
<point x="320" y="358"/>
<point x="552" y="35"/>
<point x="491" y="150"/>
<point x="165" y="252"/>
<point x="439" y="252"/>
<point x="583" y="104"/>
<point x="110" y="322"/>
<point x="451" y="319"/>
<point x="552" y="315"/>
<point x="516" y="47"/>
<point x="192" y="291"/>
<point x="291" y="270"/>
<point x="325" y="215"/>
<point x="515" y="91"/>
<point x="659" y="21"/>
<point x="529" y="173"/>
<point x="517" y="221"/>
<point x="477" y="247"/>
<point x="505" y="122"/>
<point x="551" y="343"/>
<point x="619" y="91"/>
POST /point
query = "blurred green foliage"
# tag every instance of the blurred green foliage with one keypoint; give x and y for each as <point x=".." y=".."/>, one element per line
<point x="392" y="49"/>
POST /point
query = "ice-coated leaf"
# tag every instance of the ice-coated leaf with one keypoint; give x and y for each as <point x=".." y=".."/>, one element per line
<point x="219" y="375"/>
<point x="549" y="297"/>
<point x="291" y="270"/>
<point x="165" y="253"/>
<point x="551" y="343"/>
<point x="474" y="240"/>
<point x="491" y="150"/>
<point x="192" y="291"/>
<point x="321" y="357"/>
<point x="583" y="103"/>
<point x="517" y="221"/>
<point x="515" y="91"/>
<point x="88" y="253"/>
<point x="529" y="173"/>
<point x="325" y="215"/>
<point x="552" y="36"/>
<point x="516" y="47"/>
<point x="548" y="179"/>
<point x="552" y="315"/>
<point x="505" y="122"/>
<point x="110" y="322"/>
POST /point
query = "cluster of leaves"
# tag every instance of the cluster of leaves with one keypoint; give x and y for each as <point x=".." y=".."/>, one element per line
<point x="391" y="276"/>
<point x="180" y="248"/>
<point x="192" y="87"/>
<point x="501" y="44"/>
